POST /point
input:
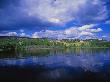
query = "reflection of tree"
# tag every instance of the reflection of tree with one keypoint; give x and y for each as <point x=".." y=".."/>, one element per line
<point x="85" y="51"/>
<point x="67" y="51"/>
<point x="89" y="62"/>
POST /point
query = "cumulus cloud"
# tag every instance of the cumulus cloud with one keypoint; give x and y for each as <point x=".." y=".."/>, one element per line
<point x="85" y="27"/>
<point x="9" y="34"/>
<point x="84" y="33"/>
<point x="36" y="35"/>
<point x="96" y="30"/>
<point x="70" y="33"/>
<point x="48" y="34"/>
<point x="71" y="30"/>
<point x="12" y="34"/>
<point x="23" y="34"/>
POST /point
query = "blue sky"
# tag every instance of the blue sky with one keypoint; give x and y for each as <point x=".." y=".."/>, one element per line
<point x="62" y="19"/>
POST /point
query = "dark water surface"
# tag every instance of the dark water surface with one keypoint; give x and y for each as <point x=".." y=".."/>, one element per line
<point x="55" y="65"/>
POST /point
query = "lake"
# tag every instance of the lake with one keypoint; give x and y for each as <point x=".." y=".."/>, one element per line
<point x="55" y="65"/>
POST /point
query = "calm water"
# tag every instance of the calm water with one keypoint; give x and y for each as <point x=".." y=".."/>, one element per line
<point x="55" y="65"/>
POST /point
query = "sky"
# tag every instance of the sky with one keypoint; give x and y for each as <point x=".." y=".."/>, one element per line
<point x="58" y="19"/>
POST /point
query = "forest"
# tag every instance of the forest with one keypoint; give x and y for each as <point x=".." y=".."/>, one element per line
<point x="32" y="43"/>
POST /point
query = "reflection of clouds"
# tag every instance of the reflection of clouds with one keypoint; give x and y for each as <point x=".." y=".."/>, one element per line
<point x="53" y="73"/>
<point x="90" y="64"/>
<point x="86" y="62"/>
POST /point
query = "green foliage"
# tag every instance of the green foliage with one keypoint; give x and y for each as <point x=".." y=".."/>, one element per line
<point x="22" y="43"/>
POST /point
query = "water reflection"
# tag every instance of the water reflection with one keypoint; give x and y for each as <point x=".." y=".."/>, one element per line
<point x="77" y="65"/>
<point x="87" y="59"/>
<point x="86" y="62"/>
<point x="48" y="52"/>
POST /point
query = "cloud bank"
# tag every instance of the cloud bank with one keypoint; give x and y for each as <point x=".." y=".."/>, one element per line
<point x="37" y="14"/>
<point x="74" y="18"/>
<point x="84" y="32"/>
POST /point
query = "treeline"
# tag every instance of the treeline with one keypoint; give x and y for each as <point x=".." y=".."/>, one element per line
<point x="87" y="44"/>
<point x="21" y="43"/>
<point x="30" y="43"/>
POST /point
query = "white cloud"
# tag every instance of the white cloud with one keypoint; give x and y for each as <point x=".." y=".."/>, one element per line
<point x="50" y="9"/>
<point x="9" y="34"/>
<point x="72" y="32"/>
<point x="83" y="33"/>
<point x="54" y="20"/>
<point x="104" y="36"/>
<point x="47" y="33"/>
<point x="36" y="35"/>
<point x="23" y="34"/>
<point x="62" y="11"/>
<point x="85" y="27"/>
<point x="14" y="34"/>
<point x="96" y="30"/>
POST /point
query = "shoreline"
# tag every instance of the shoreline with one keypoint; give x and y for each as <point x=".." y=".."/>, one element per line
<point x="56" y="48"/>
